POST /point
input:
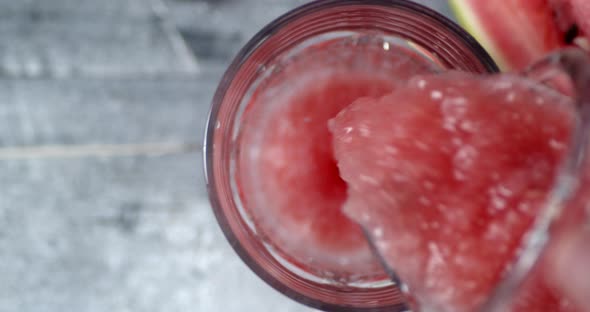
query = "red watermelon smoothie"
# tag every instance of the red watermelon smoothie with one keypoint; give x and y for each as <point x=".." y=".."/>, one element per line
<point x="273" y="179"/>
<point x="287" y="173"/>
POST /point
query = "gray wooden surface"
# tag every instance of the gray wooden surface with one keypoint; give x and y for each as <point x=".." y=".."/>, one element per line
<point x="102" y="110"/>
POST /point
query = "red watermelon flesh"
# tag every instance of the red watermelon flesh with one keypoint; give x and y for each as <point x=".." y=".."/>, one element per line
<point x="581" y="9"/>
<point x="287" y="174"/>
<point x="447" y="174"/>
<point x="518" y="32"/>
<point x="515" y="32"/>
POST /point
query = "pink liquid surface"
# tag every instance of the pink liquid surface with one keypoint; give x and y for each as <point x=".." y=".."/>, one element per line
<point x="287" y="174"/>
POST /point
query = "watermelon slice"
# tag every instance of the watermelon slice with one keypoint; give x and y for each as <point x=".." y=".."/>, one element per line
<point x="447" y="174"/>
<point x="581" y="13"/>
<point x="519" y="32"/>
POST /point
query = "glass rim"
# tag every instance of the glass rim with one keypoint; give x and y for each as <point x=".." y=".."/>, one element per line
<point x="228" y="77"/>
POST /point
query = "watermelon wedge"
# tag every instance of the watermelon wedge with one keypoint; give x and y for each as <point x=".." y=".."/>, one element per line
<point x="446" y="174"/>
<point x="519" y="32"/>
<point x="514" y="32"/>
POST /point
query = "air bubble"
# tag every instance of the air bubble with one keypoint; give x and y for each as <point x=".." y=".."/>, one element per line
<point x="383" y="245"/>
<point x="436" y="95"/>
<point x="498" y="203"/>
<point x="467" y="126"/>
<point x="510" y="97"/>
<point x="365" y="132"/>
<point x="504" y="191"/>
<point x="378" y="232"/>
<point x="465" y="157"/>
<point x="556" y="145"/>
<point x="368" y="179"/>
<point x="421" y="84"/>
<point x="453" y="109"/>
<point x="436" y="258"/>
<point x="449" y="123"/>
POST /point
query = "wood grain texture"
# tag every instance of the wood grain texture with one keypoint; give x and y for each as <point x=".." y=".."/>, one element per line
<point x="103" y="204"/>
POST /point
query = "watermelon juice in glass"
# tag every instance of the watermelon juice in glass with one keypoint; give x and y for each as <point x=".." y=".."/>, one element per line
<point x="273" y="175"/>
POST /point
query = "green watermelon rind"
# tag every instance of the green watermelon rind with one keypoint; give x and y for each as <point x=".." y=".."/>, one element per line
<point x="468" y="19"/>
